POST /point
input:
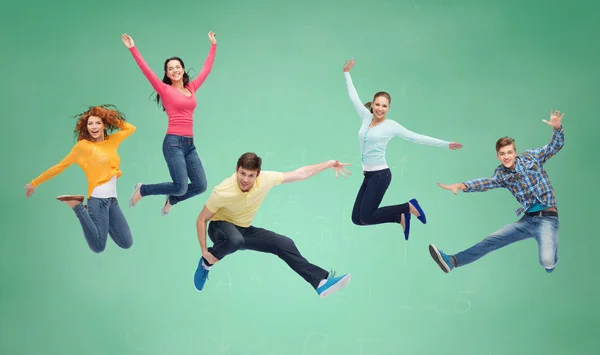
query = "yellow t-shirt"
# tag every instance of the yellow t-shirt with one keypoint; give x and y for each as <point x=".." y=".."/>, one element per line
<point x="230" y="204"/>
<point x="99" y="160"/>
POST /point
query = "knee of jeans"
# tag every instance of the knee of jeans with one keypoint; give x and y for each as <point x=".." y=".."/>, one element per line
<point x="236" y="242"/>
<point x="180" y="189"/>
<point x="548" y="261"/>
<point x="356" y="220"/>
<point x="127" y="244"/>
<point x="97" y="248"/>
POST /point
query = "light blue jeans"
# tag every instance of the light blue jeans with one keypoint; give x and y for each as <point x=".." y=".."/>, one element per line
<point x="102" y="217"/>
<point x="543" y="229"/>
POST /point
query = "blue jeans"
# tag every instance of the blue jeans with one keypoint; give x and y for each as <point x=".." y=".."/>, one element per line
<point x="543" y="229"/>
<point x="366" y="210"/>
<point x="183" y="162"/>
<point x="103" y="216"/>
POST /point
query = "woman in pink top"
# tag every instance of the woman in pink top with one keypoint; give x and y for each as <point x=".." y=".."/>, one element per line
<point x="178" y="95"/>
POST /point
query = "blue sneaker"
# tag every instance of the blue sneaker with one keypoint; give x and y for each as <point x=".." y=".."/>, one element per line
<point x="422" y="216"/>
<point x="440" y="258"/>
<point x="549" y="270"/>
<point x="200" y="276"/>
<point x="333" y="284"/>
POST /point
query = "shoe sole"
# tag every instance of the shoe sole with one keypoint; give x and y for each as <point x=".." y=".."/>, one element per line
<point x="343" y="282"/>
<point x="435" y="254"/>
<point x="79" y="198"/>
<point x="137" y="187"/>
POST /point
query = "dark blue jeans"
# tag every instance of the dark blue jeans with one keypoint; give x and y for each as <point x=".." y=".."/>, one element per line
<point x="366" y="210"/>
<point x="228" y="238"/>
<point x="103" y="216"/>
<point x="183" y="162"/>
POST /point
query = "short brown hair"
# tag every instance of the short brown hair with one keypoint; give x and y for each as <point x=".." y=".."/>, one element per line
<point x="503" y="142"/>
<point x="249" y="161"/>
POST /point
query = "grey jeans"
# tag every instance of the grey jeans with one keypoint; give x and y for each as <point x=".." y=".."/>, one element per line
<point x="102" y="217"/>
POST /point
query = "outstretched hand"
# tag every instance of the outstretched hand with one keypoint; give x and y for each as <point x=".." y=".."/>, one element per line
<point x="555" y="119"/>
<point x="339" y="168"/>
<point x="348" y="65"/>
<point x="127" y="40"/>
<point x="29" y="190"/>
<point x="454" y="187"/>
<point x="454" y="146"/>
<point x="211" y="37"/>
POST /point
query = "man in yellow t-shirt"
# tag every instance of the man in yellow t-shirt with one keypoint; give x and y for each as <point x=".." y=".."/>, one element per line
<point x="231" y="208"/>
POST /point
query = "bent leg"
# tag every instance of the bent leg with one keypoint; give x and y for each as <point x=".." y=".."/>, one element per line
<point x="547" y="240"/>
<point x="370" y="212"/>
<point x="94" y="222"/>
<point x="197" y="177"/>
<point x="118" y="228"/>
<point x="226" y="238"/>
<point x="175" y="157"/>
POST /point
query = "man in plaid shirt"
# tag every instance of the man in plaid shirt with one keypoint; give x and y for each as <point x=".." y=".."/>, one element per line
<point x="524" y="176"/>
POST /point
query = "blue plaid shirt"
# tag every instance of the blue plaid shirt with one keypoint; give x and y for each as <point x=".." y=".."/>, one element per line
<point x="528" y="182"/>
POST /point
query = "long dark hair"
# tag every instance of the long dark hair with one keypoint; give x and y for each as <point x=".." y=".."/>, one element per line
<point x="166" y="80"/>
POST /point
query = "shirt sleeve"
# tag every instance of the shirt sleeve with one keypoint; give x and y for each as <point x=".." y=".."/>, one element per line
<point x="56" y="169"/>
<point x="399" y="131"/>
<point x="148" y="73"/>
<point x="125" y="131"/>
<point x="484" y="184"/>
<point x="206" y="69"/>
<point x="272" y="178"/>
<point x="358" y="105"/>
<point x="214" y="202"/>
<point x="549" y="150"/>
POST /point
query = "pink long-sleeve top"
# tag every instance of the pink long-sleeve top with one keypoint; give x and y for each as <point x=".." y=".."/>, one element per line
<point x="178" y="106"/>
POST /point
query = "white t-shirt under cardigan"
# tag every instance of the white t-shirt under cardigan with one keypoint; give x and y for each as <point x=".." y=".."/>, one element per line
<point x="373" y="141"/>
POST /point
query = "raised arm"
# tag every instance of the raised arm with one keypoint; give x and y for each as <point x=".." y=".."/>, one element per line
<point x="556" y="142"/>
<point x="148" y="73"/>
<point x="358" y="105"/>
<point x="208" y="63"/>
<point x="125" y="130"/>
<point x="308" y="171"/>
<point x="49" y="174"/>
<point x="400" y="131"/>
<point x="475" y="185"/>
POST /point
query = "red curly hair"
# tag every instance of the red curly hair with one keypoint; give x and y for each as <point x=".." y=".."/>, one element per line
<point x="110" y="115"/>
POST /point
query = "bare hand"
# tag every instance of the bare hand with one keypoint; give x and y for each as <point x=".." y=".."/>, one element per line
<point x="348" y="65"/>
<point x="454" y="187"/>
<point x="555" y="119"/>
<point x="29" y="190"/>
<point x="211" y="37"/>
<point x="339" y="168"/>
<point x="209" y="257"/>
<point x="454" y="146"/>
<point x="127" y="40"/>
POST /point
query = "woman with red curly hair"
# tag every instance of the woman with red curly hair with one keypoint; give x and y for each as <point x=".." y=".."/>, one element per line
<point x="96" y="153"/>
<point x="176" y="93"/>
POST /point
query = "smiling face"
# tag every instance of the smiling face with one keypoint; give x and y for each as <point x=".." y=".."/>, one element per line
<point x="380" y="107"/>
<point x="175" y="70"/>
<point x="95" y="127"/>
<point x="246" y="178"/>
<point x="506" y="152"/>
